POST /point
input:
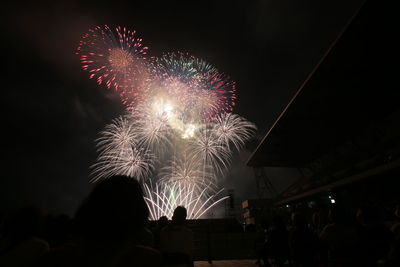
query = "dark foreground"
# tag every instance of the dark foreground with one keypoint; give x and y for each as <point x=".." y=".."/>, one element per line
<point x="226" y="263"/>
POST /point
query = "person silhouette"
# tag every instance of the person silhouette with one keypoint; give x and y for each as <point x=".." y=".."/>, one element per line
<point x="161" y="223"/>
<point x="176" y="240"/>
<point x="303" y="243"/>
<point x="110" y="225"/>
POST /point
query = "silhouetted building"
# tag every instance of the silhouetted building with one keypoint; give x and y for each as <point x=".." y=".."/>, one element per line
<point x="341" y="128"/>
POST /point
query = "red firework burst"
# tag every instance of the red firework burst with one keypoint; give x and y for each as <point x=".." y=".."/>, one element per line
<point x="114" y="57"/>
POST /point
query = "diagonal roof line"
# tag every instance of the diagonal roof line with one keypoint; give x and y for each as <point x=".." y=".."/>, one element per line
<point x="307" y="79"/>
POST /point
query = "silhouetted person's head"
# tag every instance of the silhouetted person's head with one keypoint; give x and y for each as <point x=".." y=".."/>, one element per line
<point x="114" y="210"/>
<point x="179" y="216"/>
<point x="163" y="221"/>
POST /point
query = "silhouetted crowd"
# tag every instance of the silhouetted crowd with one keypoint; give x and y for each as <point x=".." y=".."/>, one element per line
<point x="111" y="228"/>
<point x="338" y="239"/>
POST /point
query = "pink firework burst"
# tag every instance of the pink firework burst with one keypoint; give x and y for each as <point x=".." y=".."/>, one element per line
<point x="114" y="57"/>
<point x="209" y="91"/>
<point x="216" y="91"/>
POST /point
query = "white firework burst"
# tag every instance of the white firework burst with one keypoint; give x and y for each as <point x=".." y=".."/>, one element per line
<point x="233" y="129"/>
<point x="116" y="137"/>
<point x="205" y="147"/>
<point x="152" y="130"/>
<point x="131" y="162"/>
<point x="119" y="153"/>
<point x="187" y="172"/>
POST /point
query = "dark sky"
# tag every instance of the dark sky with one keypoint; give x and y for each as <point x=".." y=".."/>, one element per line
<point x="52" y="113"/>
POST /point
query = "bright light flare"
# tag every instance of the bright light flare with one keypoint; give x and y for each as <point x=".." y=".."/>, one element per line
<point x="163" y="108"/>
<point x="189" y="131"/>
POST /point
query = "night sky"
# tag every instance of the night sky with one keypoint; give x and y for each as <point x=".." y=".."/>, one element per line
<point x="52" y="112"/>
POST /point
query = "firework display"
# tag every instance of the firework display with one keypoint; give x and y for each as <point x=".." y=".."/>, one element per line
<point x="208" y="91"/>
<point x="114" y="57"/>
<point x="178" y="134"/>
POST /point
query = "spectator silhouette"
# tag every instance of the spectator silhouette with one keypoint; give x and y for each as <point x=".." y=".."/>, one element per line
<point x="161" y="223"/>
<point x="393" y="257"/>
<point x="260" y="241"/>
<point x="176" y="240"/>
<point x="276" y="246"/>
<point x="315" y="225"/>
<point x="23" y="244"/>
<point x="375" y="237"/>
<point x="110" y="224"/>
<point x="302" y="242"/>
<point x="340" y="238"/>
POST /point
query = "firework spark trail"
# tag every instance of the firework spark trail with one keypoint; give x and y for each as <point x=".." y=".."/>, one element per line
<point x="187" y="172"/>
<point x="119" y="154"/>
<point x="163" y="199"/>
<point x="205" y="146"/>
<point x="152" y="129"/>
<point x="204" y="208"/>
<point x="130" y="162"/>
<point x="233" y="129"/>
<point x="179" y="65"/>
<point x="116" y="137"/>
<point x="216" y="91"/>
